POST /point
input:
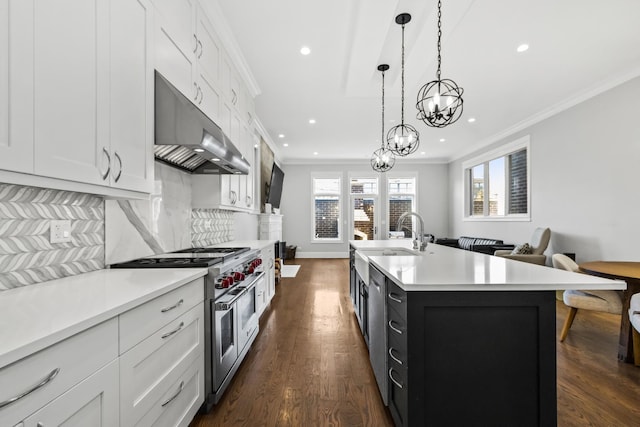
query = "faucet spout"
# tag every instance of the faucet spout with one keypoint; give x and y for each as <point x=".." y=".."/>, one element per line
<point x="419" y="243"/>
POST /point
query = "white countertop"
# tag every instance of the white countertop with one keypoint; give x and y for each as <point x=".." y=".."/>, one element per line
<point x="442" y="268"/>
<point x="37" y="316"/>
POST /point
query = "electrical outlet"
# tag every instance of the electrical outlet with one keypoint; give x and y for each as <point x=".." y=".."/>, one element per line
<point x="60" y="231"/>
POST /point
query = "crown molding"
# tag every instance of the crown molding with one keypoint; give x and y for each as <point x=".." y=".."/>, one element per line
<point x="356" y="161"/>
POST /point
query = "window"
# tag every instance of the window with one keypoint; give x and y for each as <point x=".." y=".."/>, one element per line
<point x="497" y="183"/>
<point x="364" y="201"/>
<point x="327" y="215"/>
<point x="402" y="198"/>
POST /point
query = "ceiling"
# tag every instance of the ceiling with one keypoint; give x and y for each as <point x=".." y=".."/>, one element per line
<point x="578" y="48"/>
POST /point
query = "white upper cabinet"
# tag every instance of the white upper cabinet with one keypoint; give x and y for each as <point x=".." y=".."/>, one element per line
<point x="71" y="110"/>
<point x="16" y="87"/>
<point x="132" y="85"/>
<point x="176" y="44"/>
<point x="76" y="94"/>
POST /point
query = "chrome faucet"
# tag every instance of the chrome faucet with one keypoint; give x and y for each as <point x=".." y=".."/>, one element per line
<point x="419" y="242"/>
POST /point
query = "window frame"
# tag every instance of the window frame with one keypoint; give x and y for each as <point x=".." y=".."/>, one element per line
<point x="484" y="159"/>
<point x="327" y="175"/>
<point x="387" y="197"/>
<point x="376" y="196"/>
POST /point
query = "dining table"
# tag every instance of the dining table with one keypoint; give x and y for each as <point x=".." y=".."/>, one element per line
<point x="629" y="271"/>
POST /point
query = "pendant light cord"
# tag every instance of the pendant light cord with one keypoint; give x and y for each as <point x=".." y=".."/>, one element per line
<point x="382" y="136"/>
<point x="402" y="107"/>
<point x="439" y="35"/>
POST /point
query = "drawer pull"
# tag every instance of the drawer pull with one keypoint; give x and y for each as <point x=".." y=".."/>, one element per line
<point x="399" y="384"/>
<point x="394" y="297"/>
<point x="393" y="357"/>
<point x="398" y="331"/>
<point x="175" y="395"/>
<point x="176" y="305"/>
<point x="175" y="331"/>
<point x="42" y="383"/>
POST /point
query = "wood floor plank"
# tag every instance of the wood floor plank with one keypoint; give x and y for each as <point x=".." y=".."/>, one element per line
<point x="309" y="365"/>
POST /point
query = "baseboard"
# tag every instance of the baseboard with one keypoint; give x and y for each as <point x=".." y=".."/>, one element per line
<point x="322" y="254"/>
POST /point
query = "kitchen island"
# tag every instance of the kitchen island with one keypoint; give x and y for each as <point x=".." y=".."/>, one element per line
<point x="469" y="338"/>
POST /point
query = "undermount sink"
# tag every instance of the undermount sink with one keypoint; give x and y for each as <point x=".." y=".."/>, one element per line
<point x="362" y="258"/>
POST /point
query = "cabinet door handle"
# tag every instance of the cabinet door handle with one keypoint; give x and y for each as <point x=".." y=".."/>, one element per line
<point x="394" y="297"/>
<point x="399" y="384"/>
<point x="234" y="98"/>
<point x="398" y="331"/>
<point x="106" y="153"/>
<point x="117" y="156"/>
<point x="195" y="44"/>
<point x="42" y="383"/>
<point x="248" y="200"/>
<point x="201" y="95"/>
<point x="393" y="357"/>
<point x="175" y="331"/>
<point x="176" y="305"/>
<point x="197" y="89"/>
<point x="175" y="395"/>
<point x="200" y="44"/>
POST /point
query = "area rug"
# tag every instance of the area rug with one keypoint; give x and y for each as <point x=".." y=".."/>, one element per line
<point x="289" y="270"/>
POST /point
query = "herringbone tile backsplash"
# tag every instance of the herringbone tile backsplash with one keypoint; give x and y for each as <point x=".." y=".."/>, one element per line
<point x="211" y="226"/>
<point x="26" y="255"/>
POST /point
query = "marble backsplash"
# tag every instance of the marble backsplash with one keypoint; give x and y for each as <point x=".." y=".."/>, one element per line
<point x="164" y="223"/>
<point x="26" y="254"/>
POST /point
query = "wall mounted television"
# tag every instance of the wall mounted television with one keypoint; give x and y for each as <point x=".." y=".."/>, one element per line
<point x="275" y="187"/>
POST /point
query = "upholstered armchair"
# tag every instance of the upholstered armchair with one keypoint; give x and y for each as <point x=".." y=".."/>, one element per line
<point x="532" y="252"/>
<point x="634" y="317"/>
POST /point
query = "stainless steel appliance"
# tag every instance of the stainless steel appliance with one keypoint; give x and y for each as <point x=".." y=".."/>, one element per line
<point x="189" y="140"/>
<point x="230" y="306"/>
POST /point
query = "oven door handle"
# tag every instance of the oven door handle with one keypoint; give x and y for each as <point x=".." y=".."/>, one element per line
<point x="224" y="306"/>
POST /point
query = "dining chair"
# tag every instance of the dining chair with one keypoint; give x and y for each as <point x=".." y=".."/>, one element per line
<point x="634" y="318"/>
<point x="535" y="253"/>
<point x="596" y="300"/>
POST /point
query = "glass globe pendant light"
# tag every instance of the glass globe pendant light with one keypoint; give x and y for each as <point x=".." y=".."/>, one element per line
<point x="382" y="159"/>
<point x="439" y="101"/>
<point x="403" y="139"/>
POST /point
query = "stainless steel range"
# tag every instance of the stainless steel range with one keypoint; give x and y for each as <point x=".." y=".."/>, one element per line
<point x="230" y="306"/>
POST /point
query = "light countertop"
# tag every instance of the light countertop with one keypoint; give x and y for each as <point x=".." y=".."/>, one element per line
<point x="442" y="268"/>
<point x="37" y="316"/>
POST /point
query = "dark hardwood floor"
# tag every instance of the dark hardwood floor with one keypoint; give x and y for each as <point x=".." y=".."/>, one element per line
<point x="309" y="365"/>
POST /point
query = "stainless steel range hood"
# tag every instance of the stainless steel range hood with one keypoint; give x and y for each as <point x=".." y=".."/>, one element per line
<point x="189" y="140"/>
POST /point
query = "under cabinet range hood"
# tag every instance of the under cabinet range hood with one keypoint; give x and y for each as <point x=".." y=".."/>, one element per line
<point x="189" y="140"/>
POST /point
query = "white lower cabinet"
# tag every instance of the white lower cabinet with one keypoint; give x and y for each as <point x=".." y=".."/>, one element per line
<point x="31" y="383"/>
<point x="93" y="402"/>
<point x="268" y="261"/>
<point x="159" y="370"/>
<point x="142" y="368"/>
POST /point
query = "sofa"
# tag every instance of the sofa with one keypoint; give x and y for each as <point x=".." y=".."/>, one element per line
<point x="475" y="244"/>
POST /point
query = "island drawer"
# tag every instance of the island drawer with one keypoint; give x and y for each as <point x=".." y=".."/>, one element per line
<point x="396" y="325"/>
<point x="397" y="299"/>
<point x="397" y="349"/>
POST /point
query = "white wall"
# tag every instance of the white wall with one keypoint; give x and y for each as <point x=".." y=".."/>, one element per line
<point x="296" y="202"/>
<point x="584" y="180"/>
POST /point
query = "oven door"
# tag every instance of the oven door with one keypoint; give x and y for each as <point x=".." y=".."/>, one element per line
<point x="247" y="307"/>
<point x="225" y="343"/>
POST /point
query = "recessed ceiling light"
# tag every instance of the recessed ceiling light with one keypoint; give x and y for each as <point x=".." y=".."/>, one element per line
<point x="442" y="140"/>
<point x="423" y="152"/>
<point x="315" y="153"/>
<point x="522" y="48"/>
<point x="198" y="150"/>
<point x="305" y="50"/>
<point x="285" y="145"/>
<point x="312" y="121"/>
<point x="471" y="119"/>
<point x="281" y="135"/>
<point x="255" y="145"/>
<point x="215" y="159"/>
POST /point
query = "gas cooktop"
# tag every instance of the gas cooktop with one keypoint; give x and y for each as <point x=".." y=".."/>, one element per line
<point x="169" y="262"/>
<point x="192" y="257"/>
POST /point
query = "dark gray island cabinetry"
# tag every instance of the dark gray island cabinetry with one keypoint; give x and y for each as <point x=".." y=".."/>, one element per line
<point x="471" y="358"/>
<point x="470" y="338"/>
